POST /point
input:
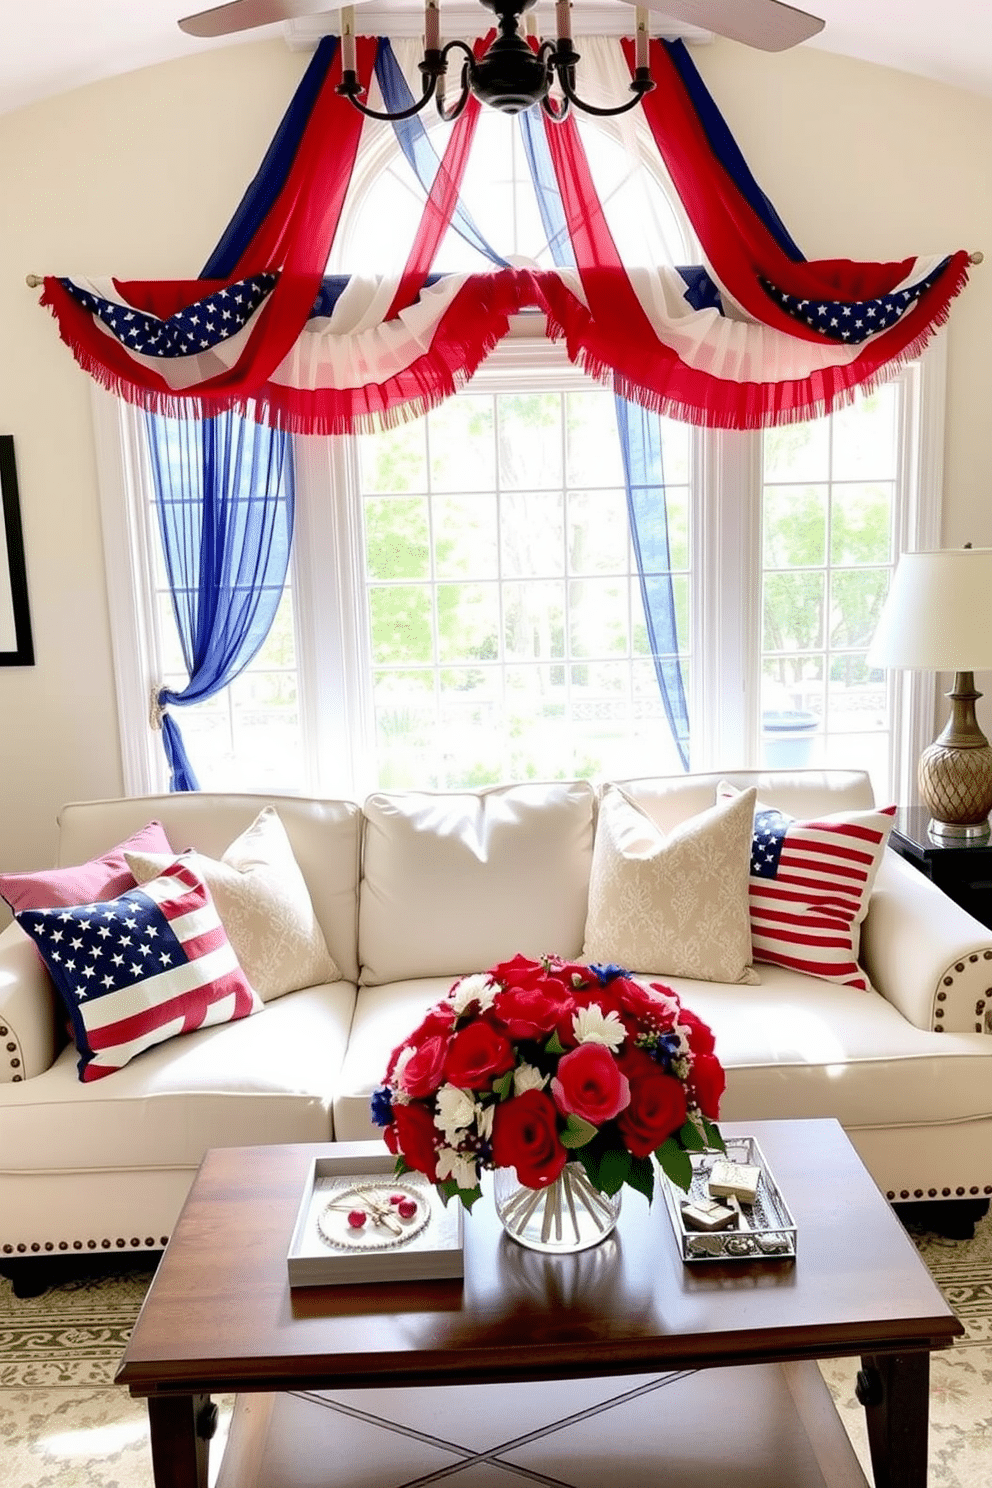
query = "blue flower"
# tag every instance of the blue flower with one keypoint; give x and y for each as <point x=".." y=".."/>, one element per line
<point x="382" y="1106"/>
<point x="607" y="974"/>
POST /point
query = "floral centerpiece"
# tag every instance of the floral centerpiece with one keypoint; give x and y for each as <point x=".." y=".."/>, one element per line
<point x="537" y="1064"/>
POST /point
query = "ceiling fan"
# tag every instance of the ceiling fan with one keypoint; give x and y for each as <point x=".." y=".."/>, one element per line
<point x="512" y="75"/>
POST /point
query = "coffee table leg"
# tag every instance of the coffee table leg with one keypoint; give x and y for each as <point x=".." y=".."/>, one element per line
<point x="895" y="1392"/>
<point x="181" y="1427"/>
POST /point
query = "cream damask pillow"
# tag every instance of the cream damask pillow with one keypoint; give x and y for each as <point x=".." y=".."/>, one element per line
<point x="674" y="905"/>
<point x="264" y="905"/>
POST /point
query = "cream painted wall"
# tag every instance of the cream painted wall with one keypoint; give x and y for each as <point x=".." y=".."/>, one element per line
<point x="139" y="175"/>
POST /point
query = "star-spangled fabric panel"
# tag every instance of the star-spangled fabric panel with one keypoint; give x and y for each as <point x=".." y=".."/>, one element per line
<point x="195" y="328"/>
<point x="809" y="886"/>
<point x="853" y="321"/>
<point x="142" y="968"/>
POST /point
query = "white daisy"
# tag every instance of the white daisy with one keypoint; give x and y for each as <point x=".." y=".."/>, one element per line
<point x="479" y="988"/>
<point x="455" y="1110"/>
<point x="526" y="1077"/>
<point x="457" y="1165"/>
<point x="592" y="1026"/>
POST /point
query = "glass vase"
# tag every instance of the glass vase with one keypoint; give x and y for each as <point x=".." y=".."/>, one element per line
<point x="568" y="1215"/>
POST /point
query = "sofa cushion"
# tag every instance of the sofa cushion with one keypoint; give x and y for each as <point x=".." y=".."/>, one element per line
<point x="810" y="886"/>
<point x="455" y="882"/>
<point x="264" y="905"/>
<point x="101" y="878"/>
<point x="792" y="1047"/>
<point x="268" y="1078"/>
<point x="384" y="1016"/>
<point x="139" y="969"/>
<point x="673" y="905"/>
<point x="797" y="1046"/>
<point x="325" y="837"/>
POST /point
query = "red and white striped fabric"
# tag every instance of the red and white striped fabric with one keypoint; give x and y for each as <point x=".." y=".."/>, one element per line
<point x="809" y="888"/>
<point x="142" y="968"/>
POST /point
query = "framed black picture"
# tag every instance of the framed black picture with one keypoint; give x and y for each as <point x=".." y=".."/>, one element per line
<point x="16" y="645"/>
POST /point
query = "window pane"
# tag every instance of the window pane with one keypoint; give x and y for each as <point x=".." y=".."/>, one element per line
<point x="798" y="452"/>
<point x="793" y="611"/>
<point x="397" y="544"/>
<point x="465" y="536"/>
<point x="861" y="526"/>
<point x="795" y="526"/>
<point x="402" y="624"/>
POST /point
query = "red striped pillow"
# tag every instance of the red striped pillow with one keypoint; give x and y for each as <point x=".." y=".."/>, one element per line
<point x="137" y="970"/>
<point x="809" y="888"/>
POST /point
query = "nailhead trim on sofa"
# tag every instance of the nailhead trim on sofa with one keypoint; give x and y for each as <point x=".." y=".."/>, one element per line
<point x="13" y="1051"/>
<point x="120" y="1243"/>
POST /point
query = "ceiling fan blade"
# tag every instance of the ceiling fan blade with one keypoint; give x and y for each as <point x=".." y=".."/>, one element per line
<point x="245" y="15"/>
<point x="768" y="25"/>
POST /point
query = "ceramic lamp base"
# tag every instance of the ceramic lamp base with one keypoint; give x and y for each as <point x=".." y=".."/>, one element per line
<point x="955" y="772"/>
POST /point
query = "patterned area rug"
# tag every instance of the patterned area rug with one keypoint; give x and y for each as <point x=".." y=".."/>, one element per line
<point x="63" y="1423"/>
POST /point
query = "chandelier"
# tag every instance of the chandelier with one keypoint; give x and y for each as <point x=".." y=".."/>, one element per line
<point x="510" y="77"/>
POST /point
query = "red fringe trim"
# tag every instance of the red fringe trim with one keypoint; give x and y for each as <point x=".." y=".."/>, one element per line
<point x="476" y="321"/>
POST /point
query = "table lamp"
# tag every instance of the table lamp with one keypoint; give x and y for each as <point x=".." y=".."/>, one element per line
<point x="938" y="617"/>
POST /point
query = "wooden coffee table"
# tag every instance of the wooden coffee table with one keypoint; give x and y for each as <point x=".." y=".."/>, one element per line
<point x="220" y="1318"/>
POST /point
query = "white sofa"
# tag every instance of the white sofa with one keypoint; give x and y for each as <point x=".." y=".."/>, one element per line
<point x="413" y="890"/>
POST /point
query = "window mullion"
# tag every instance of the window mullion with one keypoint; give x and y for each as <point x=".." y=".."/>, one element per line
<point x="726" y="607"/>
<point x="334" y="647"/>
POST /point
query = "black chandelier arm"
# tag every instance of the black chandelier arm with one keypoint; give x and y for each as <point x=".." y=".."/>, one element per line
<point x="349" y="87"/>
<point x="563" y="59"/>
<point x="448" y="115"/>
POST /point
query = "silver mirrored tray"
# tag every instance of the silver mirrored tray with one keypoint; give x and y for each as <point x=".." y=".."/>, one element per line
<point x="762" y="1231"/>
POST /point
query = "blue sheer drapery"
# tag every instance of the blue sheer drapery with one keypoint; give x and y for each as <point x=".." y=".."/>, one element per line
<point x="225" y="496"/>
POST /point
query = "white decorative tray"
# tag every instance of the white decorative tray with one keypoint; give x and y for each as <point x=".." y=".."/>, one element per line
<point x="406" y="1233"/>
<point x="765" y="1230"/>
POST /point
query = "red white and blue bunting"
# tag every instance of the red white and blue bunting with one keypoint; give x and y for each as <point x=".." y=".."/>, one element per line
<point x="760" y="336"/>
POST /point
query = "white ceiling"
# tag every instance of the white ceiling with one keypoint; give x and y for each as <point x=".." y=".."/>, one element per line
<point x="55" y="45"/>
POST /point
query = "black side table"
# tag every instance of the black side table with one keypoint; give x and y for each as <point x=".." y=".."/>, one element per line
<point x="961" y="867"/>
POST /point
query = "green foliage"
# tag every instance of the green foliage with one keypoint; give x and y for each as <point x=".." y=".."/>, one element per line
<point x="675" y="1163"/>
<point x="448" y="1189"/>
<point x="577" y="1132"/>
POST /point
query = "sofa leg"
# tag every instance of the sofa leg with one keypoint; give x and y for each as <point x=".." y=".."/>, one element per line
<point x="29" y="1278"/>
<point x="953" y="1218"/>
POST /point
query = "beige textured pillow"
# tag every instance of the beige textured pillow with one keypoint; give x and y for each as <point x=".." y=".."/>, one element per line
<point x="264" y="905"/>
<point x="673" y="905"/>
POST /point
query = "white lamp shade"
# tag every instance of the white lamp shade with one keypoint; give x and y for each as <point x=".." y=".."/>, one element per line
<point x="938" y="614"/>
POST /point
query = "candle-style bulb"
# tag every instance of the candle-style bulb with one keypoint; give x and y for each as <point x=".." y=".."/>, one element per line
<point x="432" y="26"/>
<point x="348" y="38"/>
<point x="641" y="37"/>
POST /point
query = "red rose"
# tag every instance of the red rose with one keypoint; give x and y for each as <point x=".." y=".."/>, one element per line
<point x="572" y="975"/>
<point x="422" y="1073"/>
<point x="525" y="1137"/>
<point x="532" y="1012"/>
<point x="477" y="1055"/>
<point x="520" y="972"/>
<point x="646" y="1003"/>
<point x="435" y="1023"/>
<point x="414" y="1134"/>
<point x="657" y="1104"/>
<point x="701" y="1040"/>
<point x="590" y="1084"/>
<point x="707" y="1082"/>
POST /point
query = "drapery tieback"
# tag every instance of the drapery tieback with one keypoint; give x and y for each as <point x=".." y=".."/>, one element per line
<point x="155" y="706"/>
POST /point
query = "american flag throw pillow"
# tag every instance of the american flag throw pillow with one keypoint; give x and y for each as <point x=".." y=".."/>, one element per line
<point x="137" y="970"/>
<point x="809" y="888"/>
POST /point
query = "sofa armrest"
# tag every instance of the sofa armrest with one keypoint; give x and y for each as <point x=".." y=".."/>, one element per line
<point x="29" y="1029"/>
<point x="925" y="954"/>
